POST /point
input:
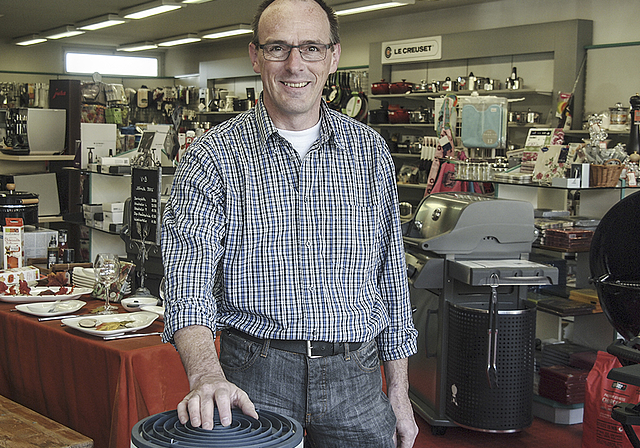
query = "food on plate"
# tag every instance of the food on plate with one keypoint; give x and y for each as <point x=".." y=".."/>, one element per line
<point x="110" y="326"/>
<point x="87" y="323"/>
<point x="25" y="290"/>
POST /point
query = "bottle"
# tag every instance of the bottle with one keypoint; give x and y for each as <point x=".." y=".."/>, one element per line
<point x="634" y="119"/>
<point x="62" y="243"/>
<point x="52" y="252"/>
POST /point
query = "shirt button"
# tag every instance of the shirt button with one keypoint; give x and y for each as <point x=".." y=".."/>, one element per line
<point x="308" y="244"/>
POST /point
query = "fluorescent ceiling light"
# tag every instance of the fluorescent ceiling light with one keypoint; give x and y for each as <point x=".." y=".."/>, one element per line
<point x="29" y="40"/>
<point x="150" y="9"/>
<point x="346" y="9"/>
<point x="97" y="23"/>
<point x="65" y="31"/>
<point x="227" y="31"/>
<point x="139" y="46"/>
<point x="180" y="40"/>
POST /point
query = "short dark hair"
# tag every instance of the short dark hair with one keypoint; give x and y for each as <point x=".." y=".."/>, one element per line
<point x="334" y="27"/>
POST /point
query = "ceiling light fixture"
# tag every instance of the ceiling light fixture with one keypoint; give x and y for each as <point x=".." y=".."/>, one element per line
<point x="139" y="46"/>
<point x="227" y="31"/>
<point x="180" y="40"/>
<point x="65" y="31"/>
<point x="150" y="9"/>
<point x="346" y="9"/>
<point x="98" y="23"/>
<point x="32" y="39"/>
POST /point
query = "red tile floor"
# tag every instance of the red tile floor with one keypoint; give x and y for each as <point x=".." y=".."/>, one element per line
<point x="541" y="434"/>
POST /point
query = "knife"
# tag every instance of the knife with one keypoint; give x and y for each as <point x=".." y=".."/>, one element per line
<point x="132" y="335"/>
<point x="42" y="319"/>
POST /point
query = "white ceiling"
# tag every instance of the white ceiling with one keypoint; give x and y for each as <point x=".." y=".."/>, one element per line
<point x="25" y="17"/>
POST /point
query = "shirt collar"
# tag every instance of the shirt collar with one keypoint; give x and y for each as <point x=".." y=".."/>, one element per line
<point x="328" y="126"/>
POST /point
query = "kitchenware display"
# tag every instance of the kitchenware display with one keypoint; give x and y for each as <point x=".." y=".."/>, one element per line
<point x="357" y="105"/>
<point x="18" y="204"/>
<point x="111" y="324"/>
<point x="401" y="87"/>
<point x="156" y="309"/>
<point x="107" y="271"/>
<point x="516" y="117"/>
<point x="618" y="116"/>
<point x="379" y="116"/>
<point x="422" y="87"/>
<point x="380" y="88"/>
<point x="398" y="115"/>
<point x="132" y="304"/>
<point x="46" y="294"/>
<point x="420" y="116"/>
<point x="514" y="82"/>
<point x="449" y="85"/>
<point x="533" y="117"/>
<point x="47" y="309"/>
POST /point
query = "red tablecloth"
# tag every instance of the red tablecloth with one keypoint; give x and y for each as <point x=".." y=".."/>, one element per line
<point x="98" y="388"/>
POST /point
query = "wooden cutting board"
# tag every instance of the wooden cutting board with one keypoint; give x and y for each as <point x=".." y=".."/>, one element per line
<point x="21" y="427"/>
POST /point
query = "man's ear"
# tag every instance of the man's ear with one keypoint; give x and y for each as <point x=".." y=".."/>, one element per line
<point x="253" y="54"/>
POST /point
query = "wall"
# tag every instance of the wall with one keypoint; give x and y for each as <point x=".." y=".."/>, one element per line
<point x="611" y="74"/>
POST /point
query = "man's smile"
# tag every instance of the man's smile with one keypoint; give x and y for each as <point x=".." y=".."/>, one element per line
<point x="296" y="84"/>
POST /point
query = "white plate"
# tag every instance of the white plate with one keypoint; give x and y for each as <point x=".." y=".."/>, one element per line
<point x="34" y="297"/>
<point x="41" y="309"/>
<point x="159" y="310"/>
<point x="141" y="319"/>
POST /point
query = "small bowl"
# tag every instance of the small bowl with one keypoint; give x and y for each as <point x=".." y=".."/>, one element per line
<point x="159" y="310"/>
<point x="135" y="303"/>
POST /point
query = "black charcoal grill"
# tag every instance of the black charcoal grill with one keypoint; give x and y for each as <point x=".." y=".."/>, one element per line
<point x="614" y="260"/>
<point x="468" y="269"/>
<point x="269" y="430"/>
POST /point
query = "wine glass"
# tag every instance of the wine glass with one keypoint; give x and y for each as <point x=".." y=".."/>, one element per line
<point x="107" y="271"/>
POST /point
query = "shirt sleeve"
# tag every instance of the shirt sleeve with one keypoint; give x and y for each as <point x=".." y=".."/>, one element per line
<point x="193" y="228"/>
<point x="399" y="339"/>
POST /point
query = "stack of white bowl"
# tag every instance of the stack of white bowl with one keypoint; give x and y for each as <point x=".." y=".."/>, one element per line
<point x="85" y="278"/>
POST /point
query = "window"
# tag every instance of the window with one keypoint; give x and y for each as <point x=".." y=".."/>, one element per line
<point x="111" y="65"/>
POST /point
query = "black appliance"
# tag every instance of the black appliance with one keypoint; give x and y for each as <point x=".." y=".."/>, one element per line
<point x="468" y="270"/>
<point x="615" y="270"/>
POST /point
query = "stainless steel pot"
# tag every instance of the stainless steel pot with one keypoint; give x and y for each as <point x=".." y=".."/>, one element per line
<point x="18" y="204"/>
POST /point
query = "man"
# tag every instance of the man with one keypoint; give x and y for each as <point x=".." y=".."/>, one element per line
<point x="283" y="231"/>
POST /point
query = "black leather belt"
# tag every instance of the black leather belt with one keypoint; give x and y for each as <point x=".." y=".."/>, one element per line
<point x="313" y="349"/>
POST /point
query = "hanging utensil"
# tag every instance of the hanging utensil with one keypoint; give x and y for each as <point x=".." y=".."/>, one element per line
<point x="492" y="349"/>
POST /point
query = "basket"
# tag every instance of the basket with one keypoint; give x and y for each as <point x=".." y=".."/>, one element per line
<point x="604" y="175"/>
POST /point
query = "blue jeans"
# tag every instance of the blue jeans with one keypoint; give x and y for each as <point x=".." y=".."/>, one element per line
<point x="337" y="399"/>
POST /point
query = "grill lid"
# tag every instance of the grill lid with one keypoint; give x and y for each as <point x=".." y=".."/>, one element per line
<point x="270" y="430"/>
<point x="615" y="269"/>
<point x="471" y="224"/>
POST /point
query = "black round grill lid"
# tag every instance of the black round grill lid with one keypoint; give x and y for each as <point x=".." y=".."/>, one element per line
<point x="270" y="430"/>
<point x="614" y="260"/>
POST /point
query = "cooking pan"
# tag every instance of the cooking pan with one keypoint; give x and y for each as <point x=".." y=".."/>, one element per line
<point x="18" y="204"/>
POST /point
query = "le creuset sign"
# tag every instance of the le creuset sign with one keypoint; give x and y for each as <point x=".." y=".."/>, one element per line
<point x="422" y="49"/>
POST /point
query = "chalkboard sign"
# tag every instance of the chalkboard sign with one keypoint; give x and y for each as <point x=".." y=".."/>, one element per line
<point x="146" y="188"/>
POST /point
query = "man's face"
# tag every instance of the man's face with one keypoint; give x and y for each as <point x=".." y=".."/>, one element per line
<point x="293" y="88"/>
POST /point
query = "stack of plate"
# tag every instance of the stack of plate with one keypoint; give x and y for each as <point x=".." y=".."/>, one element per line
<point x="85" y="278"/>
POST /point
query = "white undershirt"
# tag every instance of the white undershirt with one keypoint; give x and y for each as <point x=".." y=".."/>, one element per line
<point x="301" y="140"/>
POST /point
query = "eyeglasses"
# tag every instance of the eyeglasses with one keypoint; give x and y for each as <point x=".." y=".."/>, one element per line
<point x="308" y="52"/>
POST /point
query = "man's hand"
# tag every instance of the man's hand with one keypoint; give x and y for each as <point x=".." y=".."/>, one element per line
<point x="209" y="387"/>
<point x="397" y="390"/>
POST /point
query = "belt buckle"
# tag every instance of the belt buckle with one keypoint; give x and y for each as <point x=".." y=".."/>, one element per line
<point x="309" y="355"/>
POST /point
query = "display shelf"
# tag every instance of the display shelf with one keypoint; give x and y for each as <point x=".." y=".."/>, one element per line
<point x="422" y="95"/>
<point x="418" y="186"/>
<point x="36" y="158"/>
